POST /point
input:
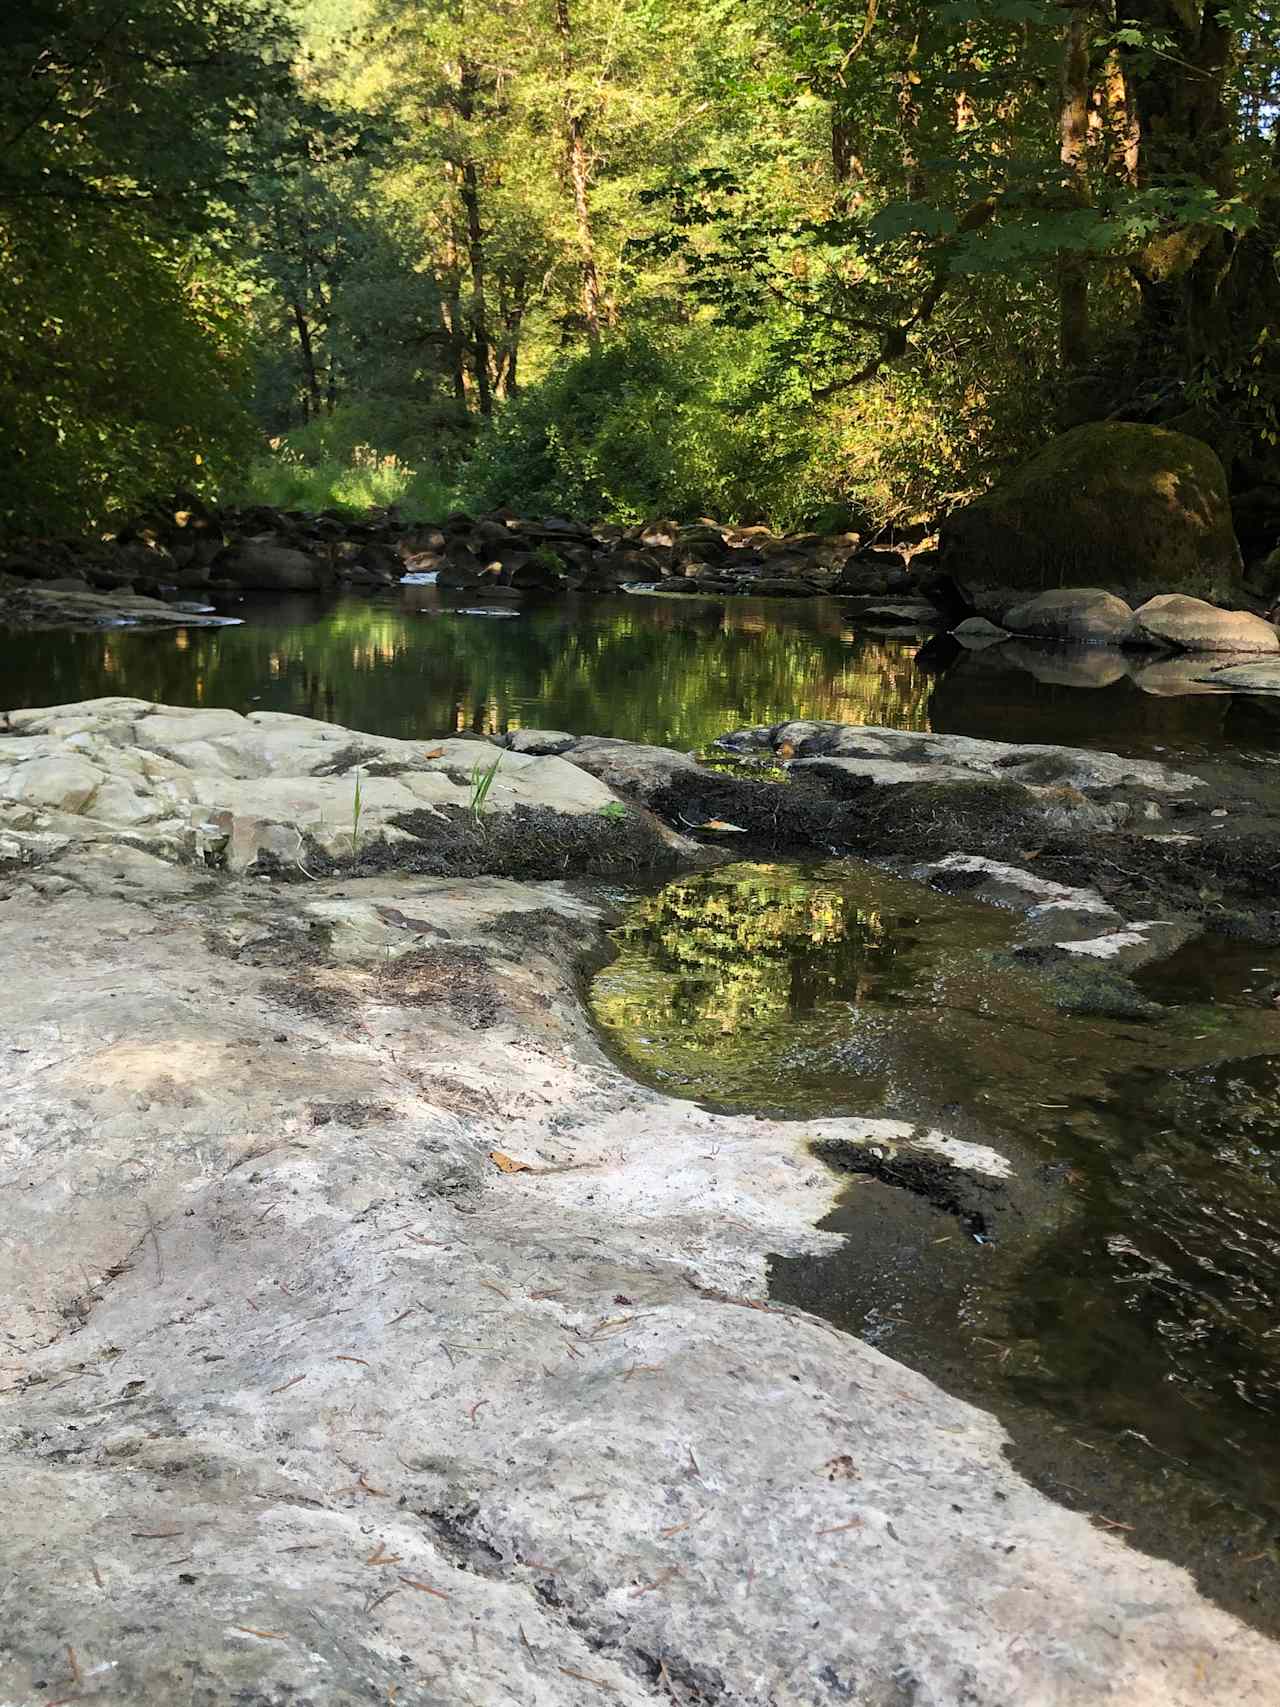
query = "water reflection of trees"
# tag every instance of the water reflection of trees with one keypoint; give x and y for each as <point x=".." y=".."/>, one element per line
<point x="716" y="971"/>
<point x="640" y="670"/>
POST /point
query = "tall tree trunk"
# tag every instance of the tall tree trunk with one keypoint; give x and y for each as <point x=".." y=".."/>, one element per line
<point x="579" y="177"/>
<point x="1120" y="122"/>
<point x="451" y="298"/>
<point x="313" y="402"/>
<point x="469" y="191"/>
<point x="1184" y="135"/>
<point x="1073" y="142"/>
<point x="1210" y="296"/>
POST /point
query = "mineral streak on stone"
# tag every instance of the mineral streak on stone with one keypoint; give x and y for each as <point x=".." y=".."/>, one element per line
<point x="311" y="1398"/>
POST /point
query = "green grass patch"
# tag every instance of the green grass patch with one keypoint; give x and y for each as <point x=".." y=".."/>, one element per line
<point x="313" y="469"/>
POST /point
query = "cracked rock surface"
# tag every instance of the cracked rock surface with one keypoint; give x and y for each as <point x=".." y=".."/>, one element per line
<point x="370" y="1337"/>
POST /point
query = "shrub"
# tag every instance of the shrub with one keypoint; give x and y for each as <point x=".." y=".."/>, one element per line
<point x="645" y="424"/>
<point x="322" y="466"/>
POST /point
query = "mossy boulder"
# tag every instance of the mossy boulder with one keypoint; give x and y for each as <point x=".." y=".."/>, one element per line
<point x="1113" y="504"/>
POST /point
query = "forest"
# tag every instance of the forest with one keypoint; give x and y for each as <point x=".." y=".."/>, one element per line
<point x="609" y="259"/>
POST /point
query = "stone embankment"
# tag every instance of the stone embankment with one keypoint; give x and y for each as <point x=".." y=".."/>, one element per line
<point x="370" y="1337"/>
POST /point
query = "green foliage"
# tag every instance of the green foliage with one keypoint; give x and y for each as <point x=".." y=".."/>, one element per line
<point x="330" y="465"/>
<point x="111" y="393"/>
<point x="482" y="779"/>
<point x="122" y="342"/>
<point x="653" y="423"/>
<point x="804" y="255"/>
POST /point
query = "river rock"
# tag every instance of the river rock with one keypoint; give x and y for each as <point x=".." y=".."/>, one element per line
<point x="901" y="613"/>
<point x="264" y="566"/>
<point x="216" y="787"/>
<point x="403" y="1349"/>
<point x="976" y="632"/>
<point x="28" y="604"/>
<point x="1190" y="625"/>
<point x="778" y="586"/>
<point x="1115" y="504"/>
<point x="1088" y="616"/>
<point x="1260" y="677"/>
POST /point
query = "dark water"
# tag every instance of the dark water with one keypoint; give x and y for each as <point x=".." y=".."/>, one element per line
<point x="672" y="671"/>
<point x="1126" y="1292"/>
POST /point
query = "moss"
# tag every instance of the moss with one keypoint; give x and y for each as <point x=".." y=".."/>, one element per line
<point x="1132" y="508"/>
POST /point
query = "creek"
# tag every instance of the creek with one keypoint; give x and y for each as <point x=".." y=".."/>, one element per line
<point x="1118" y="1309"/>
<point x="677" y="672"/>
<point x="1117" y="1305"/>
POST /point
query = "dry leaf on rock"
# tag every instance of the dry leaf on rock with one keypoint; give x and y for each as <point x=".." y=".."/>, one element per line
<point x="508" y="1164"/>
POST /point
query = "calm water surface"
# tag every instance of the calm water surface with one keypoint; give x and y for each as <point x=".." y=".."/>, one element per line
<point x="1125" y="1296"/>
<point x="674" y="671"/>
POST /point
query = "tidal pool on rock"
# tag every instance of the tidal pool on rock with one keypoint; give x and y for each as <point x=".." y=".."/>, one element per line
<point x="1117" y="1305"/>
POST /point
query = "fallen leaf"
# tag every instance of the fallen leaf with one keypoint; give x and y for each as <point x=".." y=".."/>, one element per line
<point x="508" y="1164"/>
<point x="424" y="1588"/>
<point x="719" y="825"/>
<point x="435" y="753"/>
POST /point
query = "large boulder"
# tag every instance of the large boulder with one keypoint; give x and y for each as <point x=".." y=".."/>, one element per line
<point x="1087" y="616"/>
<point x="1113" y="504"/>
<point x="267" y="567"/>
<point x="1174" y="621"/>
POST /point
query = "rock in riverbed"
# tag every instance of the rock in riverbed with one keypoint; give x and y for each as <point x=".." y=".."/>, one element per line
<point x="371" y="1337"/>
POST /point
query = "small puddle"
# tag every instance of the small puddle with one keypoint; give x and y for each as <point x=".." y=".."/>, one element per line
<point x="1117" y="1306"/>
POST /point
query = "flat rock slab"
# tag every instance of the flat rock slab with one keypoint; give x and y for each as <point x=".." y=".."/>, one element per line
<point x="193" y="783"/>
<point x="372" y="1338"/>
<point x="38" y="605"/>
<point x="1260" y="677"/>
<point x="857" y="745"/>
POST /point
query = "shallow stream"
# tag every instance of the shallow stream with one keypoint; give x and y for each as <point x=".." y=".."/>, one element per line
<point x="1117" y="1306"/>
<point x="677" y="672"/>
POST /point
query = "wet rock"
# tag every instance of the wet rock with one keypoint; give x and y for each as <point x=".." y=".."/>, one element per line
<point x="1083" y="615"/>
<point x="460" y="568"/>
<point x="1133" y="508"/>
<point x="262" y="565"/>
<point x="38" y="605"/>
<point x="976" y="632"/>
<point x="1191" y="625"/>
<point x="1261" y="677"/>
<point x="778" y="586"/>
<point x="903" y="613"/>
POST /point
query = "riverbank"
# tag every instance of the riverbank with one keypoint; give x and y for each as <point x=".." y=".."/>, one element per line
<point x="372" y="1333"/>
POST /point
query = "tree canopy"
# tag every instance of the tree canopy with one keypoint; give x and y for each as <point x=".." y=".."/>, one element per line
<point x="785" y="254"/>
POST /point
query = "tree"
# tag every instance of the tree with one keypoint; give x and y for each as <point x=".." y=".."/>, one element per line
<point x="125" y="136"/>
